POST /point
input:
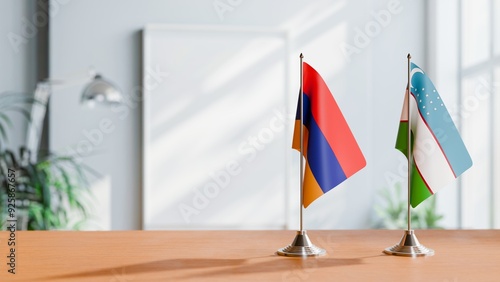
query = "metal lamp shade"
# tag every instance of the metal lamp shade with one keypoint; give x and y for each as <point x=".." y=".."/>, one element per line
<point x="101" y="91"/>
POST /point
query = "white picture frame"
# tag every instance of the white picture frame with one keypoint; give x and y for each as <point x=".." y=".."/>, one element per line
<point x="208" y="93"/>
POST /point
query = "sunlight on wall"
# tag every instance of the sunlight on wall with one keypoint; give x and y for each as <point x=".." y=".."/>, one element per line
<point x="476" y="122"/>
<point x="202" y="181"/>
<point x="218" y="134"/>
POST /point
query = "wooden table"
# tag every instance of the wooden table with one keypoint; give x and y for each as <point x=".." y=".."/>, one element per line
<point x="461" y="255"/>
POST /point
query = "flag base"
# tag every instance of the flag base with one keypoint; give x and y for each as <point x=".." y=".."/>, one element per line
<point x="301" y="247"/>
<point x="409" y="247"/>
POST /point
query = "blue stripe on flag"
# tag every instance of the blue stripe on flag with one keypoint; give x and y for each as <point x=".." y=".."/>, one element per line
<point x="437" y="117"/>
<point x="321" y="158"/>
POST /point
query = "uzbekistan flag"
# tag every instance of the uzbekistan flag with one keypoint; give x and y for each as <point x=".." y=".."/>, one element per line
<point x="439" y="154"/>
<point x="331" y="152"/>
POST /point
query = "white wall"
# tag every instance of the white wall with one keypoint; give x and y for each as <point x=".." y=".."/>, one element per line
<point x="468" y="87"/>
<point x="17" y="57"/>
<point x="369" y="86"/>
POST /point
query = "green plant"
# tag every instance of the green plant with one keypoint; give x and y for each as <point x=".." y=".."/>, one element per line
<point x="51" y="191"/>
<point x="393" y="213"/>
<point x="48" y="189"/>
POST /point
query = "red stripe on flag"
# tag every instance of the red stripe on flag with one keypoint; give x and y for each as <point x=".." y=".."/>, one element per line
<point x="332" y="123"/>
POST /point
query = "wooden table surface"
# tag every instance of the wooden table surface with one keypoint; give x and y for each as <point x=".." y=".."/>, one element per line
<point x="116" y="256"/>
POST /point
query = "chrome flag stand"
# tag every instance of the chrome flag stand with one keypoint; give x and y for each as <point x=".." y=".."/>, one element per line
<point x="409" y="246"/>
<point x="301" y="245"/>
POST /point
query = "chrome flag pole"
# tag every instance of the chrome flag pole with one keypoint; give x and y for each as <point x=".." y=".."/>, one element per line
<point x="409" y="245"/>
<point x="301" y="170"/>
<point x="301" y="245"/>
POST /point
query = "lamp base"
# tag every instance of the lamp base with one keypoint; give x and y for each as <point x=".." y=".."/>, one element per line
<point x="301" y="247"/>
<point x="409" y="247"/>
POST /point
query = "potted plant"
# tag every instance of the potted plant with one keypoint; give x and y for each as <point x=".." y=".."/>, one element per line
<point x="392" y="214"/>
<point x="49" y="192"/>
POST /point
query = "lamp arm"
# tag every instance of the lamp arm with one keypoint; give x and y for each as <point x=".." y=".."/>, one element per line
<point x="38" y="111"/>
<point x="73" y="80"/>
<point x="98" y="88"/>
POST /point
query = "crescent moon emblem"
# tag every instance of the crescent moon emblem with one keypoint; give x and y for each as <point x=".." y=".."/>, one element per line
<point x="413" y="71"/>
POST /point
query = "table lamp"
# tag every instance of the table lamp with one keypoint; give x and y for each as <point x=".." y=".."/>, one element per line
<point x="97" y="90"/>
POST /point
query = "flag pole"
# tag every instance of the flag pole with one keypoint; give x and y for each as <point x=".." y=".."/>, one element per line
<point x="301" y="245"/>
<point x="409" y="246"/>
<point x="409" y="152"/>
<point x="301" y="172"/>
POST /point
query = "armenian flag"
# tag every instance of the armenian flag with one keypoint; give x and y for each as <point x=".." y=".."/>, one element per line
<point x="331" y="152"/>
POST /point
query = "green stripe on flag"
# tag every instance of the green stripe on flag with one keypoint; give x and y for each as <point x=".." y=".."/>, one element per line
<point x="419" y="191"/>
<point x="402" y="139"/>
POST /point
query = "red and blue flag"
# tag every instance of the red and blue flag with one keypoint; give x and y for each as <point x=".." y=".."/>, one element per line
<point x="331" y="152"/>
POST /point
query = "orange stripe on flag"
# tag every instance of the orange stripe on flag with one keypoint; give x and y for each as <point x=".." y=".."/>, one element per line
<point x="312" y="191"/>
<point x="296" y="137"/>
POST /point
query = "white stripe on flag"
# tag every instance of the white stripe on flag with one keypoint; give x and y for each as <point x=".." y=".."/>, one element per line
<point x="428" y="156"/>
<point x="404" y="112"/>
